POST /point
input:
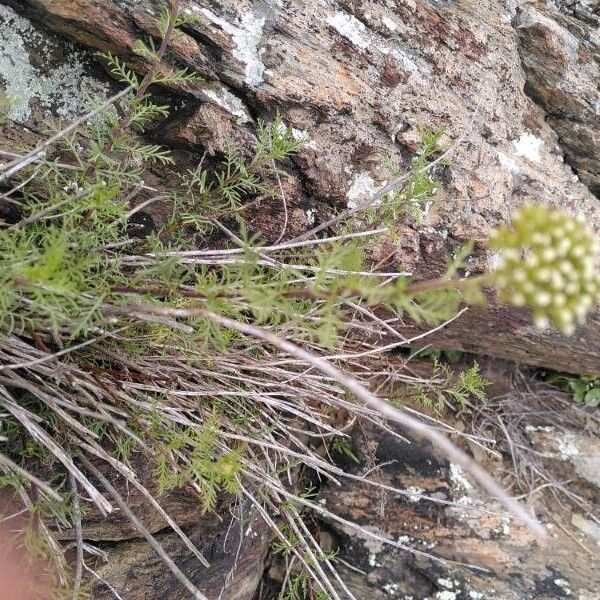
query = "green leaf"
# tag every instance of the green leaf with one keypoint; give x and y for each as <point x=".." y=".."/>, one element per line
<point x="592" y="397"/>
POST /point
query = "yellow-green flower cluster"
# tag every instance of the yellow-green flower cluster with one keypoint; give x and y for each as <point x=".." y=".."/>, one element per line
<point x="547" y="262"/>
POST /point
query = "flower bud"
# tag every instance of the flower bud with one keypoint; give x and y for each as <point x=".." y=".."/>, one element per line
<point x="547" y="260"/>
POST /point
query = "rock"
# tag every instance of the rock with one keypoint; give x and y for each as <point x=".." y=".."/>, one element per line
<point x="587" y="526"/>
<point x="43" y="74"/>
<point x="234" y="541"/>
<point x="516" y="89"/>
<point x="234" y="547"/>
<point x="509" y="333"/>
<point x="454" y="551"/>
<point x="561" y="57"/>
<point x="184" y="508"/>
<point x="206" y="127"/>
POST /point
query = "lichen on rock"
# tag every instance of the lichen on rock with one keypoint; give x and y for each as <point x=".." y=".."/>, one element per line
<point x="29" y="77"/>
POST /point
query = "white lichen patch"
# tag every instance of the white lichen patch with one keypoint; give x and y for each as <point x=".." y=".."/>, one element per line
<point x="246" y="37"/>
<point x="390" y="23"/>
<point x="64" y="90"/>
<point x="465" y="501"/>
<point x="446" y="595"/>
<point x="505" y="526"/>
<point x="351" y="28"/>
<point x="228" y="101"/>
<point x="391" y="588"/>
<point x="414" y="494"/>
<point x="310" y="216"/>
<point x="535" y="428"/>
<point x="373" y="560"/>
<point x="445" y="583"/>
<point x="363" y="186"/>
<point x="301" y="134"/>
<point x="374" y="547"/>
<point x="528" y="146"/>
<point x="568" y="446"/>
<point x="508" y="164"/>
<point x="475" y="595"/>
<point x="457" y="477"/>
<point x="564" y="585"/>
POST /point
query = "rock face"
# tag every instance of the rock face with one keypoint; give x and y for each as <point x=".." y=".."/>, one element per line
<point x="235" y="549"/>
<point x="233" y="539"/>
<point x="561" y="57"/>
<point x="438" y="514"/>
<point x="515" y="85"/>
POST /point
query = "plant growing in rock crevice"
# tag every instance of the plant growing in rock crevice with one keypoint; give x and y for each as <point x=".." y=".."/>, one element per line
<point x="111" y="345"/>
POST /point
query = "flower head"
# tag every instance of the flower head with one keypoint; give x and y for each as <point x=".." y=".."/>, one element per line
<point x="548" y="262"/>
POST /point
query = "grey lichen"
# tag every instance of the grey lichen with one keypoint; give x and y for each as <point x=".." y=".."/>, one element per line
<point x="246" y="37"/>
<point x="63" y="90"/>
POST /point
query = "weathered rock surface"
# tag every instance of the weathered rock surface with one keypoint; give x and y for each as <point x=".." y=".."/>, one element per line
<point x="515" y="83"/>
<point x="561" y="57"/>
<point x="233" y="539"/>
<point x="234" y="546"/>
<point x="487" y="555"/>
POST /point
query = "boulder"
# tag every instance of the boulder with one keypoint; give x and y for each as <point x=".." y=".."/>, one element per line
<point x="514" y="86"/>
<point x="452" y="544"/>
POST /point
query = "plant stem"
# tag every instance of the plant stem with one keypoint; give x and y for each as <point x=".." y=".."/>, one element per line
<point x="148" y="77"/>
<point x="434" y="285"/>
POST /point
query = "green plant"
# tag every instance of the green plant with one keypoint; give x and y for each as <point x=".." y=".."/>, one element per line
<point x="445" y="389"/>
<point x="547" y="261"/>
<point x="300" y="587"/>
<point x="412" y="198"/>
<point x="585" y="390"/>
<point x="112" y="346"/>
<point x="217" y="194"/>
<point x="343" y="446"/>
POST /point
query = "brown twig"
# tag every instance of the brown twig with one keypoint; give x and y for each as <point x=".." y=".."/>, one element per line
<point x="355" y="387"/>
<point x="78" y="537"/>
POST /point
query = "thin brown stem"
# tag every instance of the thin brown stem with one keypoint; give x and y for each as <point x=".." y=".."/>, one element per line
<point x="78" y="537"/>
<point x="418" y="427"/>
<point x="434" y="285"/>
<point x="181" y="577"/>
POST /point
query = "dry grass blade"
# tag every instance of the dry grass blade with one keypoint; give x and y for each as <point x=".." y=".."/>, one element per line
<point x="355" y="387"/>
<point x="78" y="537"/>
<point x="39" y="434"/>
<point x="131" y="478"/>
<point x="6" y="464"/>
<point x="181" y="577"/>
